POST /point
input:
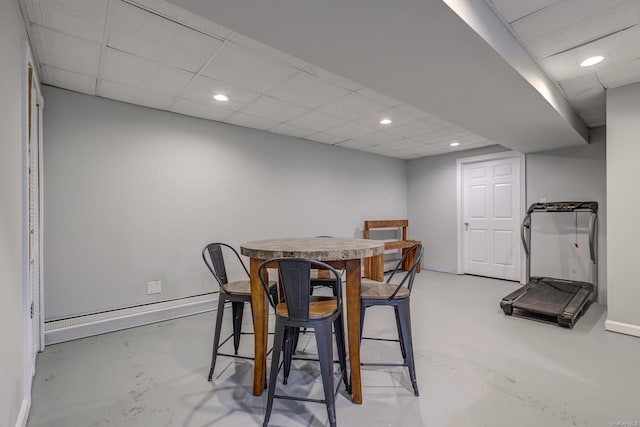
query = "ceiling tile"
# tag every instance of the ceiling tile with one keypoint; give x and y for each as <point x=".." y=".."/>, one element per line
<point x="167" y="80"/>
<point x="68" y="80"/>
<point x="154" y="100"/>
<point x="378" y="97"/>
<point x="247" y="68"/>
<point x="352" y="107"/>
<point x="416" y="112"/>
<point x="212" y="112"/>
<point x="142" y="73"/>
<point x="332" y="78"/>
<point x="349" y="130"/>
<point x="287" y="129"/>
<point x="124" y="68"/>
<point x="83" y="19"/>
<point x="584" y="90"/>
<point x="202" y="89"/>
<point x="377" y="138"/>
<point x="396" y="116"/>
<point x="325" y="138"/>
<point x="429" y="150"/>
<point x="307" y="90"/>
<point x="121" y="92"/>
<point x="273" y="109"/>
<point x="402" y="144"/>
<point x="512" y="10"/>
<point x="247" y="120"/>
<point x="316" y="121"/>
<point x="621" y="74"/>
<point x="184" y="17"/>
<point x="142" y="33"/>
<point x="268" y="51"/>
<point x="65" y="52"/>
<point x="570" y="23"/>
<point x="617" y="49"/>
<point x="411" y="129"/>
<point x="188" y="49"/>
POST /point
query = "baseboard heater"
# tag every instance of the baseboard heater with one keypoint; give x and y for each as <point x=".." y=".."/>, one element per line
<point x="56" y="331"/>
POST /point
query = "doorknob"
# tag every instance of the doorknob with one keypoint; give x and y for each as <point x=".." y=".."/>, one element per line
<point x="466" y="223"/>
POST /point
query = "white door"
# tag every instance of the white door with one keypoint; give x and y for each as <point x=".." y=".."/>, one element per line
<point x="491" y="218"/>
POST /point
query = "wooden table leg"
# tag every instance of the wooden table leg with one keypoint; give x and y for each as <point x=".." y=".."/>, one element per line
<point x="374" y="268"/>
<point x="260" y="309"/>
<point x="353" y="326"/>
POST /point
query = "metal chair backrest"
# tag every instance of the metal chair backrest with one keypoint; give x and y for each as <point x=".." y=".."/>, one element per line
<point x="417" y="250"/>
<point x="295" y="282"/>
<point x="215" y="262"/>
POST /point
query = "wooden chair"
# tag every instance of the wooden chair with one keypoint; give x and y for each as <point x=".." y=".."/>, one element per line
<point x="397" y="296"/>
<point x="374" y="266"/>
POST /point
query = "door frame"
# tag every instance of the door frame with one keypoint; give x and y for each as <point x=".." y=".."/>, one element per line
<point x="460" y="163"/>
<point x="37" y="320"/>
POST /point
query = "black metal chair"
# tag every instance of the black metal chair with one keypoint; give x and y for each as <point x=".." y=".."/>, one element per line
<point x="237" y="292"/>
<point x="397" y="296"/>
<point x="297" y="309"/>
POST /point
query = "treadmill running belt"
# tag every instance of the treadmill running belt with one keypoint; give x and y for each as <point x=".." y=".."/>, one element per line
<point x="547" y="296"/>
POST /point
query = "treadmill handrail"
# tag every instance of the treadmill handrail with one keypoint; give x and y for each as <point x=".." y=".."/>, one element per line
<point x="526" y="223"/>
<point x="592" y="235"/>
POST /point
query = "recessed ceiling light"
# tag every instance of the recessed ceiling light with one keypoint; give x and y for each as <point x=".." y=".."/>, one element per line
<point x="593" y="60"/>
<point x="385" y="121"/>
<point x="221" y="97"/>
<point x="454" y="144"/>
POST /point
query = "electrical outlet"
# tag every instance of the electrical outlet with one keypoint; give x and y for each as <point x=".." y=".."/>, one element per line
<point x="543" y="200"/>
<point x="154" y="287"/>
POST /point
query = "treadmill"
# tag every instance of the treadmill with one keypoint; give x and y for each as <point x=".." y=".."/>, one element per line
<point x="546" y="298"/>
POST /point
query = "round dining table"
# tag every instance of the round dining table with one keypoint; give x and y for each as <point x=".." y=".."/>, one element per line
<point x="338" y="252"/>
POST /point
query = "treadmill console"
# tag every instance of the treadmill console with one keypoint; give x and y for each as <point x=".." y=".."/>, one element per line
<point x="564" y="207"/>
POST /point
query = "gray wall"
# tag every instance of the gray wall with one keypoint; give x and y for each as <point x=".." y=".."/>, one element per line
<point x="432" y="206"/>
<point x="623" y="152"/>
<point x="12" y="34"/>
<point x="577" y="173"/>
<point x="570" y="173"/>
<point x="133" y="194"/>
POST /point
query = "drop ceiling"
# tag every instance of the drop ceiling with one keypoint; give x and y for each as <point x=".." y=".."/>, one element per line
<point x="156" y="54"/>
<point x="559" y="34"/>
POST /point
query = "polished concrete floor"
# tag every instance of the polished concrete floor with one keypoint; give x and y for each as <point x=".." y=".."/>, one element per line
<point x="476" y="367"/>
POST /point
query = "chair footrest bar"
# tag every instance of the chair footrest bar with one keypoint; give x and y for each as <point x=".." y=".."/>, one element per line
<point x="303" y="399"/>
<point x="382" y="364"/>
<point x="238" y="356"/>
<point x="309" y="359"/>
<point x="381" y="339"/>
<point x="306" y="399"/>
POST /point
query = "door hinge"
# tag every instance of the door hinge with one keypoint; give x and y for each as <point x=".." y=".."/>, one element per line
<point x="31" y="311"/>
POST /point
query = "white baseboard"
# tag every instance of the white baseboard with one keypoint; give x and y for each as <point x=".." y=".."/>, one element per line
<point x="623" y="328"/>
<point x="24" y="413"/>
<point x="94" y="324"/>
